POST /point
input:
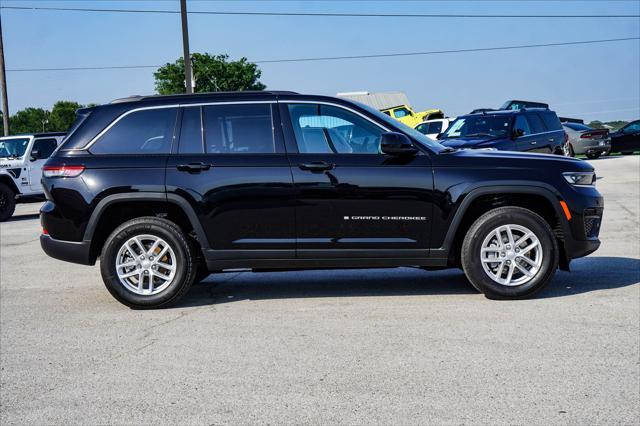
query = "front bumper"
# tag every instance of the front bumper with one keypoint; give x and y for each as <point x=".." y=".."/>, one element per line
<point x="580" y="236"/>
<point x="69" y="251"/>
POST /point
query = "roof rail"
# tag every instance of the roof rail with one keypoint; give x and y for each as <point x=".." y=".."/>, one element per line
<point x="136" y="98"/>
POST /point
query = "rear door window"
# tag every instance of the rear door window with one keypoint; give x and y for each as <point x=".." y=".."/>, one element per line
<point x="522" y="124"/>
<point x="148" y="131"/>
<point x="239" y="129"/>
<point x="536" y="124"/>
<point x="551" y="120"/>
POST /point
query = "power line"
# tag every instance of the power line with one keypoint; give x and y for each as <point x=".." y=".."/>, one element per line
<point x="333" y="58"/>
<point x="313" y="14"/>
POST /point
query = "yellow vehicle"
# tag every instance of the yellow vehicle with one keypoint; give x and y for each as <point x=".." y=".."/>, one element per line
<point x="408" y="116"/>
<point x="395" y="104"/>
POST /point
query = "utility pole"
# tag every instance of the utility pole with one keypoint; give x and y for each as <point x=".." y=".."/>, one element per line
<point x="3" y="83"/>
<point x="185" y="47"/>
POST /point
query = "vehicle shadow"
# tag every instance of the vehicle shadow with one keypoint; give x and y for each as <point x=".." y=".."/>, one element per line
<point x="588" y="274"/>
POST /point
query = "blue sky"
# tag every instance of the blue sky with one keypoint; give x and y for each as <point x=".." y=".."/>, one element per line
<point x="599" y="81"/>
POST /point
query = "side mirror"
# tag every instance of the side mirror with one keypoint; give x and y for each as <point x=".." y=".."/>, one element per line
<point x="439" y="136"/>
<point x="35" y="155"/>
<point x="517" y="133"/>
<point x="393" y="143"/>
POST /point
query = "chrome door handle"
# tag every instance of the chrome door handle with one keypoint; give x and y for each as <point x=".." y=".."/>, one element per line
<point x="533" y="143"/>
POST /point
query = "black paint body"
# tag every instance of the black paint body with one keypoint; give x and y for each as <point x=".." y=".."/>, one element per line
<point x="268" y="211"/>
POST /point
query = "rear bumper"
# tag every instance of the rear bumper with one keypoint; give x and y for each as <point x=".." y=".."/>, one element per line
<point x="69" y="251"/>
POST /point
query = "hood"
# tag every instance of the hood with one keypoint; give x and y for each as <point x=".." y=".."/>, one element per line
<point x="468" y="142"/>
<point x="501" y="159"/>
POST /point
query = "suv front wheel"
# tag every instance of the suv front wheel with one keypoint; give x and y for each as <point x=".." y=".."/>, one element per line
<point x="509" y="253"/>
<point x="7" y="202"/>
<point x="148" y="263"/>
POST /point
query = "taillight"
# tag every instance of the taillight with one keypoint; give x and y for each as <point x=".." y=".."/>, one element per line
<point x="594" y="134"/>
<point x="62" y="171"/>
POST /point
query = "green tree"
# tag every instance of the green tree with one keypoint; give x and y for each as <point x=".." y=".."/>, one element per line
<point x="62" y="116"/>
<point x="28" y="120"/>
<point x="212" y="73"/>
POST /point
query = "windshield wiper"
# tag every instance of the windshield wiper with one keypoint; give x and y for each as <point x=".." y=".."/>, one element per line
<point x="477" y="134"/>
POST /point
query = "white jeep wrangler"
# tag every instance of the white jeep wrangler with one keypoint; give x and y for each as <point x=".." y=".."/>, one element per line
<point x="21" y="161"/>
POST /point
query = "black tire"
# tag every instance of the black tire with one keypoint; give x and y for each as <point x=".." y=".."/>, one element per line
<point x="471" y="259"/>
<point x="593" y="155"/>
<point x="7" y="202"/>
<point x="186" y="265"/>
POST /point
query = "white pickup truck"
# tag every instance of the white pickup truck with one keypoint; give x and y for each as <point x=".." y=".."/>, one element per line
<point x="21" y="161"/>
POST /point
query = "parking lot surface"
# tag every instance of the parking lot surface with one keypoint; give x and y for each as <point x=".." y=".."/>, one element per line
<point x="351" y="346"/>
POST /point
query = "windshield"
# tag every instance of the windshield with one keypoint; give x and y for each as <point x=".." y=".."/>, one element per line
<point x="416" y="135"/>
<point x="479" y="126"/>
<point x="14" y="147"/>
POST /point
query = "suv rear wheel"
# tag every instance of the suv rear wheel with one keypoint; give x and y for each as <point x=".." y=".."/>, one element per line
<point x="148" y="263"/>
<point x="7" y="202"/>
<point x="509" y="253"/>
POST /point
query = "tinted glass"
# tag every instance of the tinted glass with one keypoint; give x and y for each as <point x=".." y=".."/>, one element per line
<point x="435" y="127"/>
<point x="423" y="128"/>
<point x="535" y="122"/>
<point x="493" y="126"/>
<point x="45" y="147"/>
<point x="633" y="127"/>
<point x="577" y="126"/>
<point x="522" y="124"/>
<point x="551" y="120"/>
<point x="401" y="112"/>
<point x="190" y="132"/>
<point x="13" y="147"/>
<point x="140" y="132"/>
<point x="240" y="128"/>
<point x="396" y="125"/>
<point x="330" y="130"/>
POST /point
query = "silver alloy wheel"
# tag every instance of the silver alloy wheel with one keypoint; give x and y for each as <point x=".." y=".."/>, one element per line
<point x="565" y="150"/>
<point x="511" y="255"/>
<point x="146" y="264"/>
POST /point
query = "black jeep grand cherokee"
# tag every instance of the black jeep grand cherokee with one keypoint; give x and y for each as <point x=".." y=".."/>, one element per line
<point x="166" y="189"/>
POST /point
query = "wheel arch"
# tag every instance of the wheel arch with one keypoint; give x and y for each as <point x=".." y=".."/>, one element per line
<point x="116" y="209"/>
<point x="6" y="179"/>
<point x="539" y="198"/>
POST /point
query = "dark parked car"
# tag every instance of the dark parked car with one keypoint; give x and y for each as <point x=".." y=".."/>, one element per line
<point x="534" y="130"/>
<point x="167" y="189"/>
<point x="627" y="139"/>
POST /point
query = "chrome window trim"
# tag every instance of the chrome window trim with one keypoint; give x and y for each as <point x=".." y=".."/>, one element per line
<point x="131" y="111"/>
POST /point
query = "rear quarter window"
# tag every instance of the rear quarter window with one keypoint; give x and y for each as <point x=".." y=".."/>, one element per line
<point x="551" y="120"/>
<point x="147" y="131"/>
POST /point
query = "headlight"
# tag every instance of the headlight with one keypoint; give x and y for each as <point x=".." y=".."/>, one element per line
<point x="580" y="178"/>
